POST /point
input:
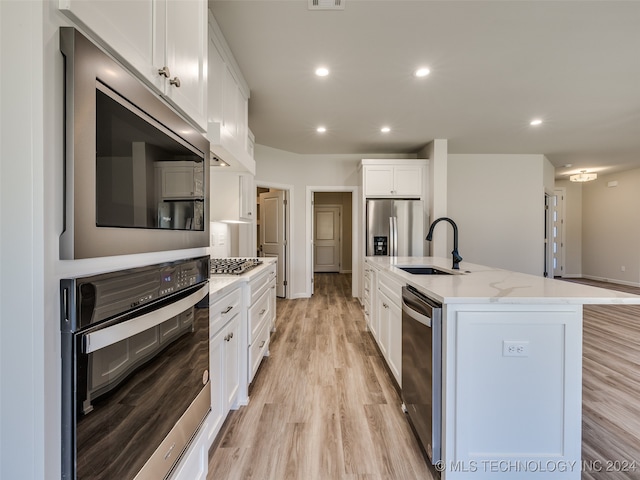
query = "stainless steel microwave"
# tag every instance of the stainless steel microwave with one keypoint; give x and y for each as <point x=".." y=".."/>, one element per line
<point x="136" y="172"/>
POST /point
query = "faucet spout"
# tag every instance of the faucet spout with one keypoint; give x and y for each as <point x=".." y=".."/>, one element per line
<point x="456" y="256"/>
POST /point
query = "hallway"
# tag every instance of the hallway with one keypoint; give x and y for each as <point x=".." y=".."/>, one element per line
<point x="322" y="405"/>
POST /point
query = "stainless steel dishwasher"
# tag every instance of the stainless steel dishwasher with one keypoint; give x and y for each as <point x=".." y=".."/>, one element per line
<point x="422" y="369"/>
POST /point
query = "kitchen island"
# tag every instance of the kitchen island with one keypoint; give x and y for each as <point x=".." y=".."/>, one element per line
<point x="511" y="364"/>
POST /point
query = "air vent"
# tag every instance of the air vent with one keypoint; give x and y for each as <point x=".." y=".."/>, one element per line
<point x="326" y="4"/>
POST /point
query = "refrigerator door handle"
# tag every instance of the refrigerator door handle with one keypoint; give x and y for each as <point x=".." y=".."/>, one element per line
<point x="393" y="236"/>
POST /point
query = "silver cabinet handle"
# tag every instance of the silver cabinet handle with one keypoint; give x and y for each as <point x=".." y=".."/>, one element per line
<point x="262" y="343"/>
<point x="228" y="337"/>
<point x="229" y="308"/>
<point x="164" y="72"/>
<point x="262" y="311"/>
<point x="366" y="289"/>
<point x="175" y="81"/>
<point x="385" y="305"/>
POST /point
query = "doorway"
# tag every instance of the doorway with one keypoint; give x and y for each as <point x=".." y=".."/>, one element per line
<point x="327" y="241"/>
<point x="326" y="201"/>
<point x="273" y="233"/>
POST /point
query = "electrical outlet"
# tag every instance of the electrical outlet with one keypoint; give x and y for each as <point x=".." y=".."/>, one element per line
<point x="623" y="268"/>
<point x="512" y="348"/>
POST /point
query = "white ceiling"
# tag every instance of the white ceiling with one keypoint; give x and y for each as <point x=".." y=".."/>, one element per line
<point x="495" y="66"/>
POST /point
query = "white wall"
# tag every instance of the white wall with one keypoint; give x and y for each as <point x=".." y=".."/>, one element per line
<point x="302" y="171"/>
<point x="611" y="228"/>
<point x="22" y="337"/>
<point x="497" y="202"/>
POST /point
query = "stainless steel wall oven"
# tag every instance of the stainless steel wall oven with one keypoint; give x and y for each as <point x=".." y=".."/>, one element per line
<point x="135" y="369"/>
<point x="137" y="173"/>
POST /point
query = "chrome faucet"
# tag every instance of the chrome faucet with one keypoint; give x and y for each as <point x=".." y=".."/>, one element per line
<point x="456" y="256"/>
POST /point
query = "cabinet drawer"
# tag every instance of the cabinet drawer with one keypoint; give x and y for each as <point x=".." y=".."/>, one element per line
<point x="259" y="313"/>
<point x="391" y="289"/>
<point x="258" y="349"/>
<point x="224" y="309"/>
<point x="261" y="282"/>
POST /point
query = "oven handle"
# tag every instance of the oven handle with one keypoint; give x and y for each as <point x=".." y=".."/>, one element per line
<point x="116" y="333"/>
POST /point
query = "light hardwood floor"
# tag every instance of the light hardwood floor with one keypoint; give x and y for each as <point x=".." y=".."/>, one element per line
<point x="324" y="407"/>
<point x="611" y="389"/>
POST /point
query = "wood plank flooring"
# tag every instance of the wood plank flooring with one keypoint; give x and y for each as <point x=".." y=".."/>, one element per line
<point x="611" y="389"/>
<point x="322" y="405"/>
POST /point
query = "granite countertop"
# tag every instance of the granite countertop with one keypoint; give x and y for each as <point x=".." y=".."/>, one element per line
<point x="482" y="284"/>
<point x="222" y="282"/>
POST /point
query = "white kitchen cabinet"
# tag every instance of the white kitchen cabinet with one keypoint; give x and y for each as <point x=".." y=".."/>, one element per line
<point x="181" y="179"/>
<point x="232" y="196"/>
<point x="228" y="112"/>
<point x="150" y="36"/>
<point x="389" y="323"/>
<point x="397" y="179"/>
<point x="260" y="317"/>
<point x="225" y="315"/>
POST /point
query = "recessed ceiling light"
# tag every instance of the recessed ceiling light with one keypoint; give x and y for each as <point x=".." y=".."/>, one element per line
<point x="321" y="129"/>
<point x="385" y="129"/>
<point x="422" y="72"/>
<point x="322" y="71"/>
<point x="535" y="122"/>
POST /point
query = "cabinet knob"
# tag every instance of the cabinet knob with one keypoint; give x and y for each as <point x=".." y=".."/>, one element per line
<point x="175" y="81"/>
<point x="385" y="305"/>
<point x="164" y="72"/>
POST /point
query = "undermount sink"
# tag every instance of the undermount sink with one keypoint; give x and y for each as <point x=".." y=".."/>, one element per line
<point x="424" y="271"/>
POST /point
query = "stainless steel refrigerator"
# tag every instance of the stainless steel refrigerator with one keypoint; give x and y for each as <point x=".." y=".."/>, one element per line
<point x="395" y="228"/>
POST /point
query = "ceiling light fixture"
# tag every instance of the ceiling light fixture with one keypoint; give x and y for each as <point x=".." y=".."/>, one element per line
<point x="535" y="122"/>
<point x="385" y="129"/>
<point x="422" y="72"/>
<point x="321" y="129"/>
<point x="583" y="176"/>
<point x="322" y="71"/>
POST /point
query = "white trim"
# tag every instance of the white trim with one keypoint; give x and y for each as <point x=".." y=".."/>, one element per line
<point x="610" y="280"/>
<point x="355" y="234"/>
<point x="289" y="247"/>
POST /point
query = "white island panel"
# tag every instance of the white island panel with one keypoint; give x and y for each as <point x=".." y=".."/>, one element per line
<point x="514" y="411"/>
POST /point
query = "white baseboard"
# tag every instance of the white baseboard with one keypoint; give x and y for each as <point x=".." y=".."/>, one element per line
<point x="299" y="295"/>
<point x="612" y="280"/>
<point x="345" y="271"/>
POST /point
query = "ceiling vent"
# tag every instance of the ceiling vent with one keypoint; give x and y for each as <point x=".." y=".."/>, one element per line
<point x="326" y="4"/>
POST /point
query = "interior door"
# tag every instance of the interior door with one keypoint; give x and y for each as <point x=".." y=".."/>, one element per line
<point x="273" y="235"/>
<point x="326" y="243"/>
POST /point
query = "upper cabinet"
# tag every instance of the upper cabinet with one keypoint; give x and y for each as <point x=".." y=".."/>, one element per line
<point x="228" y="97"/>
<point x="393" y="178"/>
<point x="164" y="41"/>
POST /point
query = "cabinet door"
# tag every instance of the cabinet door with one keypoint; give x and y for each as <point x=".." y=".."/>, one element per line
<point x="247" y="197"/>
<point x="383" y="323"/>
<point x="232" y="362"/>
<point x="394" y="352"/>
<point x="217" y="378"/>
<point x="128" y="28"/>
<point x="215" y="80"/>
<point x="186" y="57"/>
<point x="230" y="104"/>
<point x="178" y="182"/>
<point x="407" y="180"/>
<point x="378" y="180"/>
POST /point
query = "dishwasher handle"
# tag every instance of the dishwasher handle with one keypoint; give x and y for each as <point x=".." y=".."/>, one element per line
<point x="407" y="310"/>
<point x="418" y="308"/>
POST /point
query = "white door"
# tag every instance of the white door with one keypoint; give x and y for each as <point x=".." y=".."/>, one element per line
<point x="273" y="238"/>
<point x="558" y="241"/>
<point x="326" y="243"/>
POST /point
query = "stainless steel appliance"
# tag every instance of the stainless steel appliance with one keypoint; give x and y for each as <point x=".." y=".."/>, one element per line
<point x="135" y="369"/>
<point x="422" y="369"/>
<point x="233" y="266"/>
<point x="395" y="228"/>
<point x="136" y="173"/>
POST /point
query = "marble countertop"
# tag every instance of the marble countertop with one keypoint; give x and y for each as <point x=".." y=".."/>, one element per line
<point x="222" y="282"/>
<point x="482" y="284"/>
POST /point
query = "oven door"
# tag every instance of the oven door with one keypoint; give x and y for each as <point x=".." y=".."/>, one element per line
<point x="137" y="389"/>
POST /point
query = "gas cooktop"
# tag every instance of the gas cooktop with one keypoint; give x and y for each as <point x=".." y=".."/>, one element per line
<point x="233" y="266"/>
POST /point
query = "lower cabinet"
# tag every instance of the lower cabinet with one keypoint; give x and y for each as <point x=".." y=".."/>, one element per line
<point x="260" y="317"/>
<point x="386" y="321"/>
